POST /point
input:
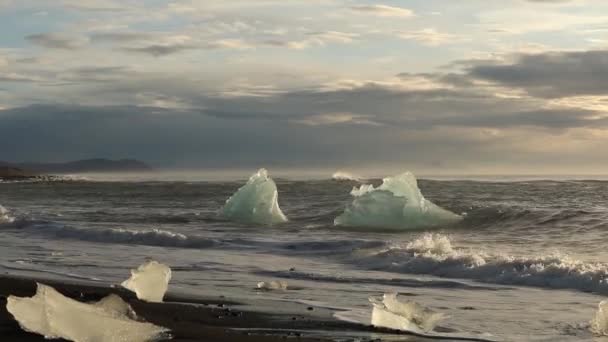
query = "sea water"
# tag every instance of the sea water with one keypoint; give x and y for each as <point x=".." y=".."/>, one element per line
<point x="526" y="261"/>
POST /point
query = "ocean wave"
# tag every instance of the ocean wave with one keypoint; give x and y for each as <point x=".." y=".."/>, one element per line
<point x="434" y="254"/>
<point x="152" y="237"/>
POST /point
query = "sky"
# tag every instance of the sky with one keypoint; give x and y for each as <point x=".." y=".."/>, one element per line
<point x="433" y="86"/>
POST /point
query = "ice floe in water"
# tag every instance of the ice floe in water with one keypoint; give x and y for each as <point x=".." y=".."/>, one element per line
<point x="599" y="324"/>
<point x="272" y="285"/>
<point x="410" y="316"/>
<point x="255" y="202"/>
<point x="149" y="281"/>
<point x="396" y="204"/>
<point x="345" y="176"/>
<point x="4" y="216"/>
<point x="53" y="315"/>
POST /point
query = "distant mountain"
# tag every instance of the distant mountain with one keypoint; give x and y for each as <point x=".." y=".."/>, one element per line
<point x="80" y="166"/>
<point x="8" y="172"/>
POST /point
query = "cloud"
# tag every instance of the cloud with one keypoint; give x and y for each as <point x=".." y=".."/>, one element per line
<point x="56" y="41"/>
<point x="551" y="74"/>
<point x="383" y="10"/>
<point x="121" y="37"/>
<point x="314" y="39"/>
<point x="429" y="36"/>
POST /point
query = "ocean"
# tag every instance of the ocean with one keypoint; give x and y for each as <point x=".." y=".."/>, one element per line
<point x="527" y="262"/>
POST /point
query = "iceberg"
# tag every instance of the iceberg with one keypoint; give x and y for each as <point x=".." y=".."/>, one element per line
<point x="403" y="315"/>
<point x="4" y="216"/>
<point x="255" y="202"/>
<point x="149" y="281"/>
<point x="599" y="324"/>
<point x="396" y="204"/>
<point x="54" y="316"/>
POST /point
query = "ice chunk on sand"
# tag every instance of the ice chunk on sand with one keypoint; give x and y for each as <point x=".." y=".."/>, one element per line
<point x="149" y="281"/>
<point x="53" y="315"/>
<point x="396" y="204"/>
<point x="272" y="285"/>
<point x="403" y="315"/>
<point x="255" y="202"/>
<point x="599" y="324"/>
<point x="4" y="216"/>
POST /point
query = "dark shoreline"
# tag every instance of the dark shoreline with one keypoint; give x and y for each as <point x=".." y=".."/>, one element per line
<point x="204" y="319"/>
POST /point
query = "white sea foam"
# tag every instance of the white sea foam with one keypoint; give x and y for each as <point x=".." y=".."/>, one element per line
<point x="255" y="202"/>
<point x="149" y="281"/>
<point x="53" y="315"/>
<point x="434" y="254"/>
<point x="345" y="176"/>
<point x="394" y="313"/>
<point x="599" y="324"/>
<point x="396" y="204"/>
<point x="4" y="216"/>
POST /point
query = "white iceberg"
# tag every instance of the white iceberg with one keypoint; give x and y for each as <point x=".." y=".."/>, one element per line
<point x="4" y="216"/>
<point x="149" y="281"/>
<point x="255" y="202"/>
<point x="53" y="315"/>
<point x="396" y="204"/>
<point x="403" y="315"/>
<point x="599" y="324"/>
<point x="272" y="285"/>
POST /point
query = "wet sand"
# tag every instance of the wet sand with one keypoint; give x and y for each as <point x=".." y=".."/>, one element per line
<point x="193" y="318"/>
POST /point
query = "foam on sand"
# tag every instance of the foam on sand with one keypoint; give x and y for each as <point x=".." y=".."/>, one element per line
<point x="4" y="216"/>
<point x="53" y="315"/>
<point x="410" y="316"/>
<point x="149" y="281"/>
<point x="599" y="324"/>
<point x="255" y="202"/>
<point x="396" y="204"/>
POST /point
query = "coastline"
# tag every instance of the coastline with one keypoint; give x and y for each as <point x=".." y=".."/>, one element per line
<point x="204" y="319"/>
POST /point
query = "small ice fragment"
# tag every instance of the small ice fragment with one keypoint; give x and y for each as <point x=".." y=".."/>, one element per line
<point x="255" y="202"/>
<point x="403" y="315"/>
<point x="4" y="216"/>
<point x="149" y="281"/>
<point x="53" y="315"/>
<point x="599" y="324"/>
<point x="272" y="285"/>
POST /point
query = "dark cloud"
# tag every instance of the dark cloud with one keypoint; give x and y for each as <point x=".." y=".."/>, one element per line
<point x="552" y="74"/>
<point x="54" y="41"/>
<point x="120" y="37"/>
<point x="158" y="50"/>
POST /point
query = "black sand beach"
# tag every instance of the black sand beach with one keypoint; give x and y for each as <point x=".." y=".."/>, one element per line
<point x="204" y="319"/>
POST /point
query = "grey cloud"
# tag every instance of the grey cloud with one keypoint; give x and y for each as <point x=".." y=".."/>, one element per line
<point x="55" y="41"/>
<point x="120" y="37"/>
<point x="551" y="75"/>
<point x="158" y="50"/>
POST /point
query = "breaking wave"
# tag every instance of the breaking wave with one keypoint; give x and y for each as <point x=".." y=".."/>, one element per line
<point x="345" y="176"/>
<point x="152" y="237"/>
<point x="434" y="254"/>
